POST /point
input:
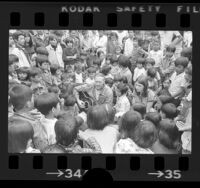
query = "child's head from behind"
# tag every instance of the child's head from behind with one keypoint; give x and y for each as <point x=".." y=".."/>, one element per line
<point x="169" y="135"/>
<point x="169" y="110"/>
<point x="20" y="134"/>
<point x="96" y="117"/>
<point x="121" y="89"/>
<point x="55" y="70"/>
<point x="21" y="97"/>
<point x="105" y="69"/>
<point x="35" y="74"/>
<point x="140" y="107"/>
<point x="66" y="131"/>
<point x="181" y="63"/>
<point x="187" y="52"/>
<point x="47" y="103"/>
<point x="128" y="123"/>
<point x="154" y="117"/>
<point x="170" y="50"/>
<point x="70" y="100"/>
<point x="145" y="134"/>
<point x="151" y="73"/>
<point x="123" y="61"/>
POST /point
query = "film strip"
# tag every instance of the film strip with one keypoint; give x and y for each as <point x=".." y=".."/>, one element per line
<point x="95" y="16"/>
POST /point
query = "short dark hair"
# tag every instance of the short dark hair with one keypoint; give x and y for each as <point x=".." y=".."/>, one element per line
<point x="23" y="70"/>
<point x="145" y="134"/>
<point x="151" y="72"/>
<point x="140" y="107"/>
<point x="171" y="48"/>
<point x="96" y="117"/>
<point x="113" y="59"/>
<point x="70" y="100"/>
<point x="154" y="117"/>
<point x="187" y="52"/>
<point x="150" y="61"/>
<point x="19" y="96"/>
<point x="13" y="59"/>
<point x="124" y="61"/>
<point x="165" y="99"/>
<point x="42" y="50"/>
<point x="17" y="34"/>
<point x="169" y="135"/>
<point x="54" y="68"/>
<point x="66" y="131"/>
<point x="53" y="89"/>
<point x="123" y="88"/>
<point x="141" y="60"/>
<point x="129" y="121"/>
<point x="91" y="70"/>
<point x="183" y="61"/>
<point x="45" y="102"/>
<point x="34" y="71"/>
<point x="170" y="110"/>
<point x="19" y="133"/>
<point x="105" y="69"/>
<point x="40" y="59"/>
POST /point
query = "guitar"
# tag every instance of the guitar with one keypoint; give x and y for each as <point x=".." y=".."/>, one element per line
<point x="89" y="102"/>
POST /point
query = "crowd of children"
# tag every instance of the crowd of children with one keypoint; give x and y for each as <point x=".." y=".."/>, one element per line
<point x="145" y="102"/>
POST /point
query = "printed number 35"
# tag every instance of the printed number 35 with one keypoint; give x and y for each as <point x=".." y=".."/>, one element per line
<point x="176" y="174"/>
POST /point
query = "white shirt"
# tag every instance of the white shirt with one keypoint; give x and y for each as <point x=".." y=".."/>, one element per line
<point x="128" y="48"/>
<point x="177" y="82"/>
<point x="23" y="61"/>
<point x="101" y="43"/>
<point x="89" y="81"/>
<point x="121" y="35"/>
<point x="78" y="78"/>
<point x="123" y="104"/>
<point x="138" y="72"/>
<point x="106" y="138"/>
<point x="55" y="56"/>
<point x="157" y="56"/>
<point x="187" y="35"/>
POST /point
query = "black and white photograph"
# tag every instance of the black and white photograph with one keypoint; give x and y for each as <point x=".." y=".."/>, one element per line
<point x="100" y="91"/>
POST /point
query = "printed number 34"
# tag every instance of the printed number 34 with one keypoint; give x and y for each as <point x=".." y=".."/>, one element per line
<point x="77" y="173"/>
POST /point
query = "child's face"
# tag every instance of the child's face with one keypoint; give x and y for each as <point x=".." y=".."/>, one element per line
<point x="45" y="66"/>
<point x="179" y="69"/>
<point x="148" y="66"/>
<point x="188" y="77"/>
<point x="91" y="75"/>
<point x="69" y="44"/>
<point x="53" y="42"/>
<point x="21" y="40"/>
<point x="27" y="39"/>
<point x="131" y="34"/>
<point x="166" y="84"/>
<point x="118" y="93"/>
<point x="36" y="78"/>
<point x="169" y="54"/>
<point x="135" y="44"/>
<point x="139" y="65"/>
<point x="139" y="87"/>
<point x="156" y="46"/>
<point x="22" y="76"/>
<point x="78" y="71"/>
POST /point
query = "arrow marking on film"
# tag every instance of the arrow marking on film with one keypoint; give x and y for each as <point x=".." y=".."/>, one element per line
<point x="59" y="173"/>
<point x="158" y="174"/>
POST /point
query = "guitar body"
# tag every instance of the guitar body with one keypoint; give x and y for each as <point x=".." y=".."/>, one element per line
<point x="87" y="99"/>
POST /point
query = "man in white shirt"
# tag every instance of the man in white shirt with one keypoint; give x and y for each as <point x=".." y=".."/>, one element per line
<point x="19" y="51"/>
<point x="55" y="51"/>
<point x="101" y="42"/>
<point x="128" y="48"/>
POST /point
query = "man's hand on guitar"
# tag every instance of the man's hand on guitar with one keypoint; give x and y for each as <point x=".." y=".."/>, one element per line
<point x="81" y="103"/>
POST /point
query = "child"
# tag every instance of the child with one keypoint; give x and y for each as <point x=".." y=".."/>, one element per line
<point x="105" y="70"/>
<point x="13" y="66"/>
<point x="124" y="64"/>
<point x="169" y="111"/>
<point x="167" y="67"/>
<point x="20" y="135"/>
<point x="140" y="107"/>
<point x="115" y="69"/>
<point x="141" y="139"/>
<point x="91" y="75"/>
<point x="122" y="104"/>
<point x="101" y="56"/>
<point x="21" y="97"/>
<point x="178" y="81"/>
<point x="23" y="76"/>
<point x="152" y="81"/>
<point x="139" y="70"/>
<point x="37" y="85"/>
<point x="154" y="117"/>
<point x="156" y="53"/>
<point x="79" y="76"/>
<point x="48" y="105"/>
<point x="168" y="138"/>
<point x="164" y="88"/>
<point x="56" y="73"/>
<point x="44" y="65"/>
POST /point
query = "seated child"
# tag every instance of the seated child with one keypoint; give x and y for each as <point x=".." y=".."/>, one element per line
<point x="142" y="137"/>
<point x="152" y="81"/>
<point x="122" y="104"/>
<point x="56" y="74"/>
<point x="23" y="75"/>
<point x="109" y="82"/>
<point x="164" y="88"/>
<point x="20" y="135"/>
<point x="139" y="70"/>
<point x="79" y="76"/>
<point x="48" y="105"/>
<point x="91" y="75"/>
<point x="169" y="111"/>
<point x="168" y="138"/>
<point x="105" y="70"/>
<point x="140" y="107"/>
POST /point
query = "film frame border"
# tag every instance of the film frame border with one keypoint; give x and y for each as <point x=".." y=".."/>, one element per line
<point x="39" y="162"/>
